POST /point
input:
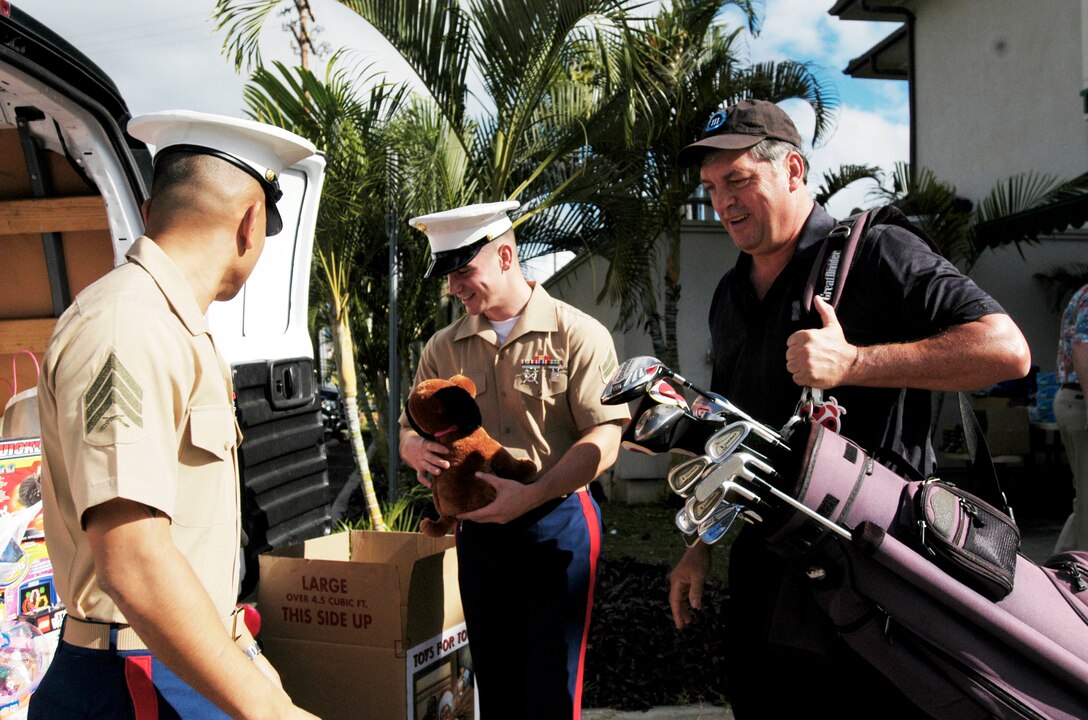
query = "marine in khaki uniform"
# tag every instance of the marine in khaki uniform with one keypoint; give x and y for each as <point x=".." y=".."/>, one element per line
<point x="140" y="484"/>
<point x="527" y="562"/>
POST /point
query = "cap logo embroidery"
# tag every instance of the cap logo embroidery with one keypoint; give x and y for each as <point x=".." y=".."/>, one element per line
<point x="717" y="119"/>
<point x="113" y="399"/>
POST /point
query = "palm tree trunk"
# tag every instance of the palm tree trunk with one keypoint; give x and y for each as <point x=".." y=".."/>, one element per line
<point x="671" y="357"/>
<point x="657" y="338"/>
<point x="345" y="363"/>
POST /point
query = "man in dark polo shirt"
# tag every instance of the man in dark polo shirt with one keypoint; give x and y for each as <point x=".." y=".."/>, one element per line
<point x="908" y="323"/>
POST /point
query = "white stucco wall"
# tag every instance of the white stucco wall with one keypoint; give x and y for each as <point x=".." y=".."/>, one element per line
<point x="1010" y="280"/>
<point x="998" y="90"/>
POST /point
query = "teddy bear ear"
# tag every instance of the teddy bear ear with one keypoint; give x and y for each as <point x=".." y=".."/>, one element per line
<point x="465" y="382"/>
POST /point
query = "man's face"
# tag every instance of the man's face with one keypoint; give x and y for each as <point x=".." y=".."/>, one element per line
<point x="476" y="285"/>
<point x="752" y="198"/>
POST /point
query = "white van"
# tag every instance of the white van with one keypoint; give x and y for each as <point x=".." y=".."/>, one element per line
<point x="71" y="185"/>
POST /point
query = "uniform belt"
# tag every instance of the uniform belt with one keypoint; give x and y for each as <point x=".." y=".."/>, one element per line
<point x="96" y="635"/>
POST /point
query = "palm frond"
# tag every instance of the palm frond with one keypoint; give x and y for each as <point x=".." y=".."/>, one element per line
<point x="1015" y="194"/>
<point x="434" y="37"/>
<point x="846" y="174"/>
<point x="242" y="20"/>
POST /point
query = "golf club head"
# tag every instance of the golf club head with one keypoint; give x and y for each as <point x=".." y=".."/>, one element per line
<point x="665" y="394"/>
<point x="710" y="407"/>
<point x="684" y="523"/>
<point x="663" y="428"/>
<point x="633" y="378"/>
<point x="682" y="477"/>
<point x="700" y="509"/>
<point x="627" y="439"/>
<point x="723" y="475"/>
<point x="719" y="523"/>
<point x="652" y="430"/>
<point x="725" y="411"/>
<point x="724" y="442"/>
<point x="657" y="422"/>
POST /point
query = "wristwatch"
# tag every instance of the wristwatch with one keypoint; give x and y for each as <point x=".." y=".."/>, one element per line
<point x="253" y="650"/>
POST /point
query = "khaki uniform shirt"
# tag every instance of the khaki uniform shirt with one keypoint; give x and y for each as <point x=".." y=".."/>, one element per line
<point x="137" y="404"/>
<point x="541" y="389"/>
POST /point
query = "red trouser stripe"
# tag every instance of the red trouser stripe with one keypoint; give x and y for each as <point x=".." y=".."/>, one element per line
<point x="145" y="702"/>
<point x="593" y="527"/>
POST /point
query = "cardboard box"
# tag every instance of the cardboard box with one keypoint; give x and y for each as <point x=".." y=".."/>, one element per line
<point x="368" y="624"/>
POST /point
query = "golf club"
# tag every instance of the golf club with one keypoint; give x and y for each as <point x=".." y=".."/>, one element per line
<point x="683" y="476"/>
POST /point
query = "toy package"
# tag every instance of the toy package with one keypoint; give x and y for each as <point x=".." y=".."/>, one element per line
<point x="30" y="612"/>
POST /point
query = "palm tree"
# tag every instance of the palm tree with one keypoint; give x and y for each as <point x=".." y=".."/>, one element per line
<point x="348" y="129"/>
<point x="951" y="221"/>
<point x="555" y="76"/>
<point x="839" y="178"/>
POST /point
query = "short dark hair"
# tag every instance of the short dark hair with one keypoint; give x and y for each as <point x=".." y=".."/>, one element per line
<point x="173" y="171"/>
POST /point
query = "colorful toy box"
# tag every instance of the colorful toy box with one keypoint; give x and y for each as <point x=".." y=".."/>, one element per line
<point x="30" y="611"/>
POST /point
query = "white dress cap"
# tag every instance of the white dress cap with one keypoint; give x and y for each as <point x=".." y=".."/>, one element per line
<point x="261" y="150"/>
<point x="455" y="235"/>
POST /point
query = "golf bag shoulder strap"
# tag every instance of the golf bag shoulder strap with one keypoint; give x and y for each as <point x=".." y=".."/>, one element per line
<point x="834" y="260"/>
<point x="828" y="278"/>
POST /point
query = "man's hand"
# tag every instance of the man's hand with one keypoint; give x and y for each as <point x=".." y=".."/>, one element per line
<point x="820" y="358"/>
<point x="686" y="583"/>
<point x="512" y="500"/>
<point x="426" y="456"/>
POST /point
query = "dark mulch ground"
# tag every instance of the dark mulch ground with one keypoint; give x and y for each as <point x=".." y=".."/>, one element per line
<point x="636" y="658"/>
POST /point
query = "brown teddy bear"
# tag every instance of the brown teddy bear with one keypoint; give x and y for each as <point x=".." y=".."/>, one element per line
<point x="446" y="411"/>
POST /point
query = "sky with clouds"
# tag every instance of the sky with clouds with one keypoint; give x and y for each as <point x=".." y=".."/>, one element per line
<point x="167" y="55"/>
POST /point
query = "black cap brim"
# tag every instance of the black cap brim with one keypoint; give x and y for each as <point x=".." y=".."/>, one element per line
<point x="443" y="263"/>
<point x="695" y="153"/>
<point x="273" y="223"/>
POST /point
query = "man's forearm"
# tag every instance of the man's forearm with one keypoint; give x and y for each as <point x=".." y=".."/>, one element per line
<point x="594" y="453"/>
<point x="964" y="357"/>
<point x="161" y="597"/>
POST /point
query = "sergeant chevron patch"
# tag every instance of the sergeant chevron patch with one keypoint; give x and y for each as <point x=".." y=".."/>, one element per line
<point x="113" y="404"/>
